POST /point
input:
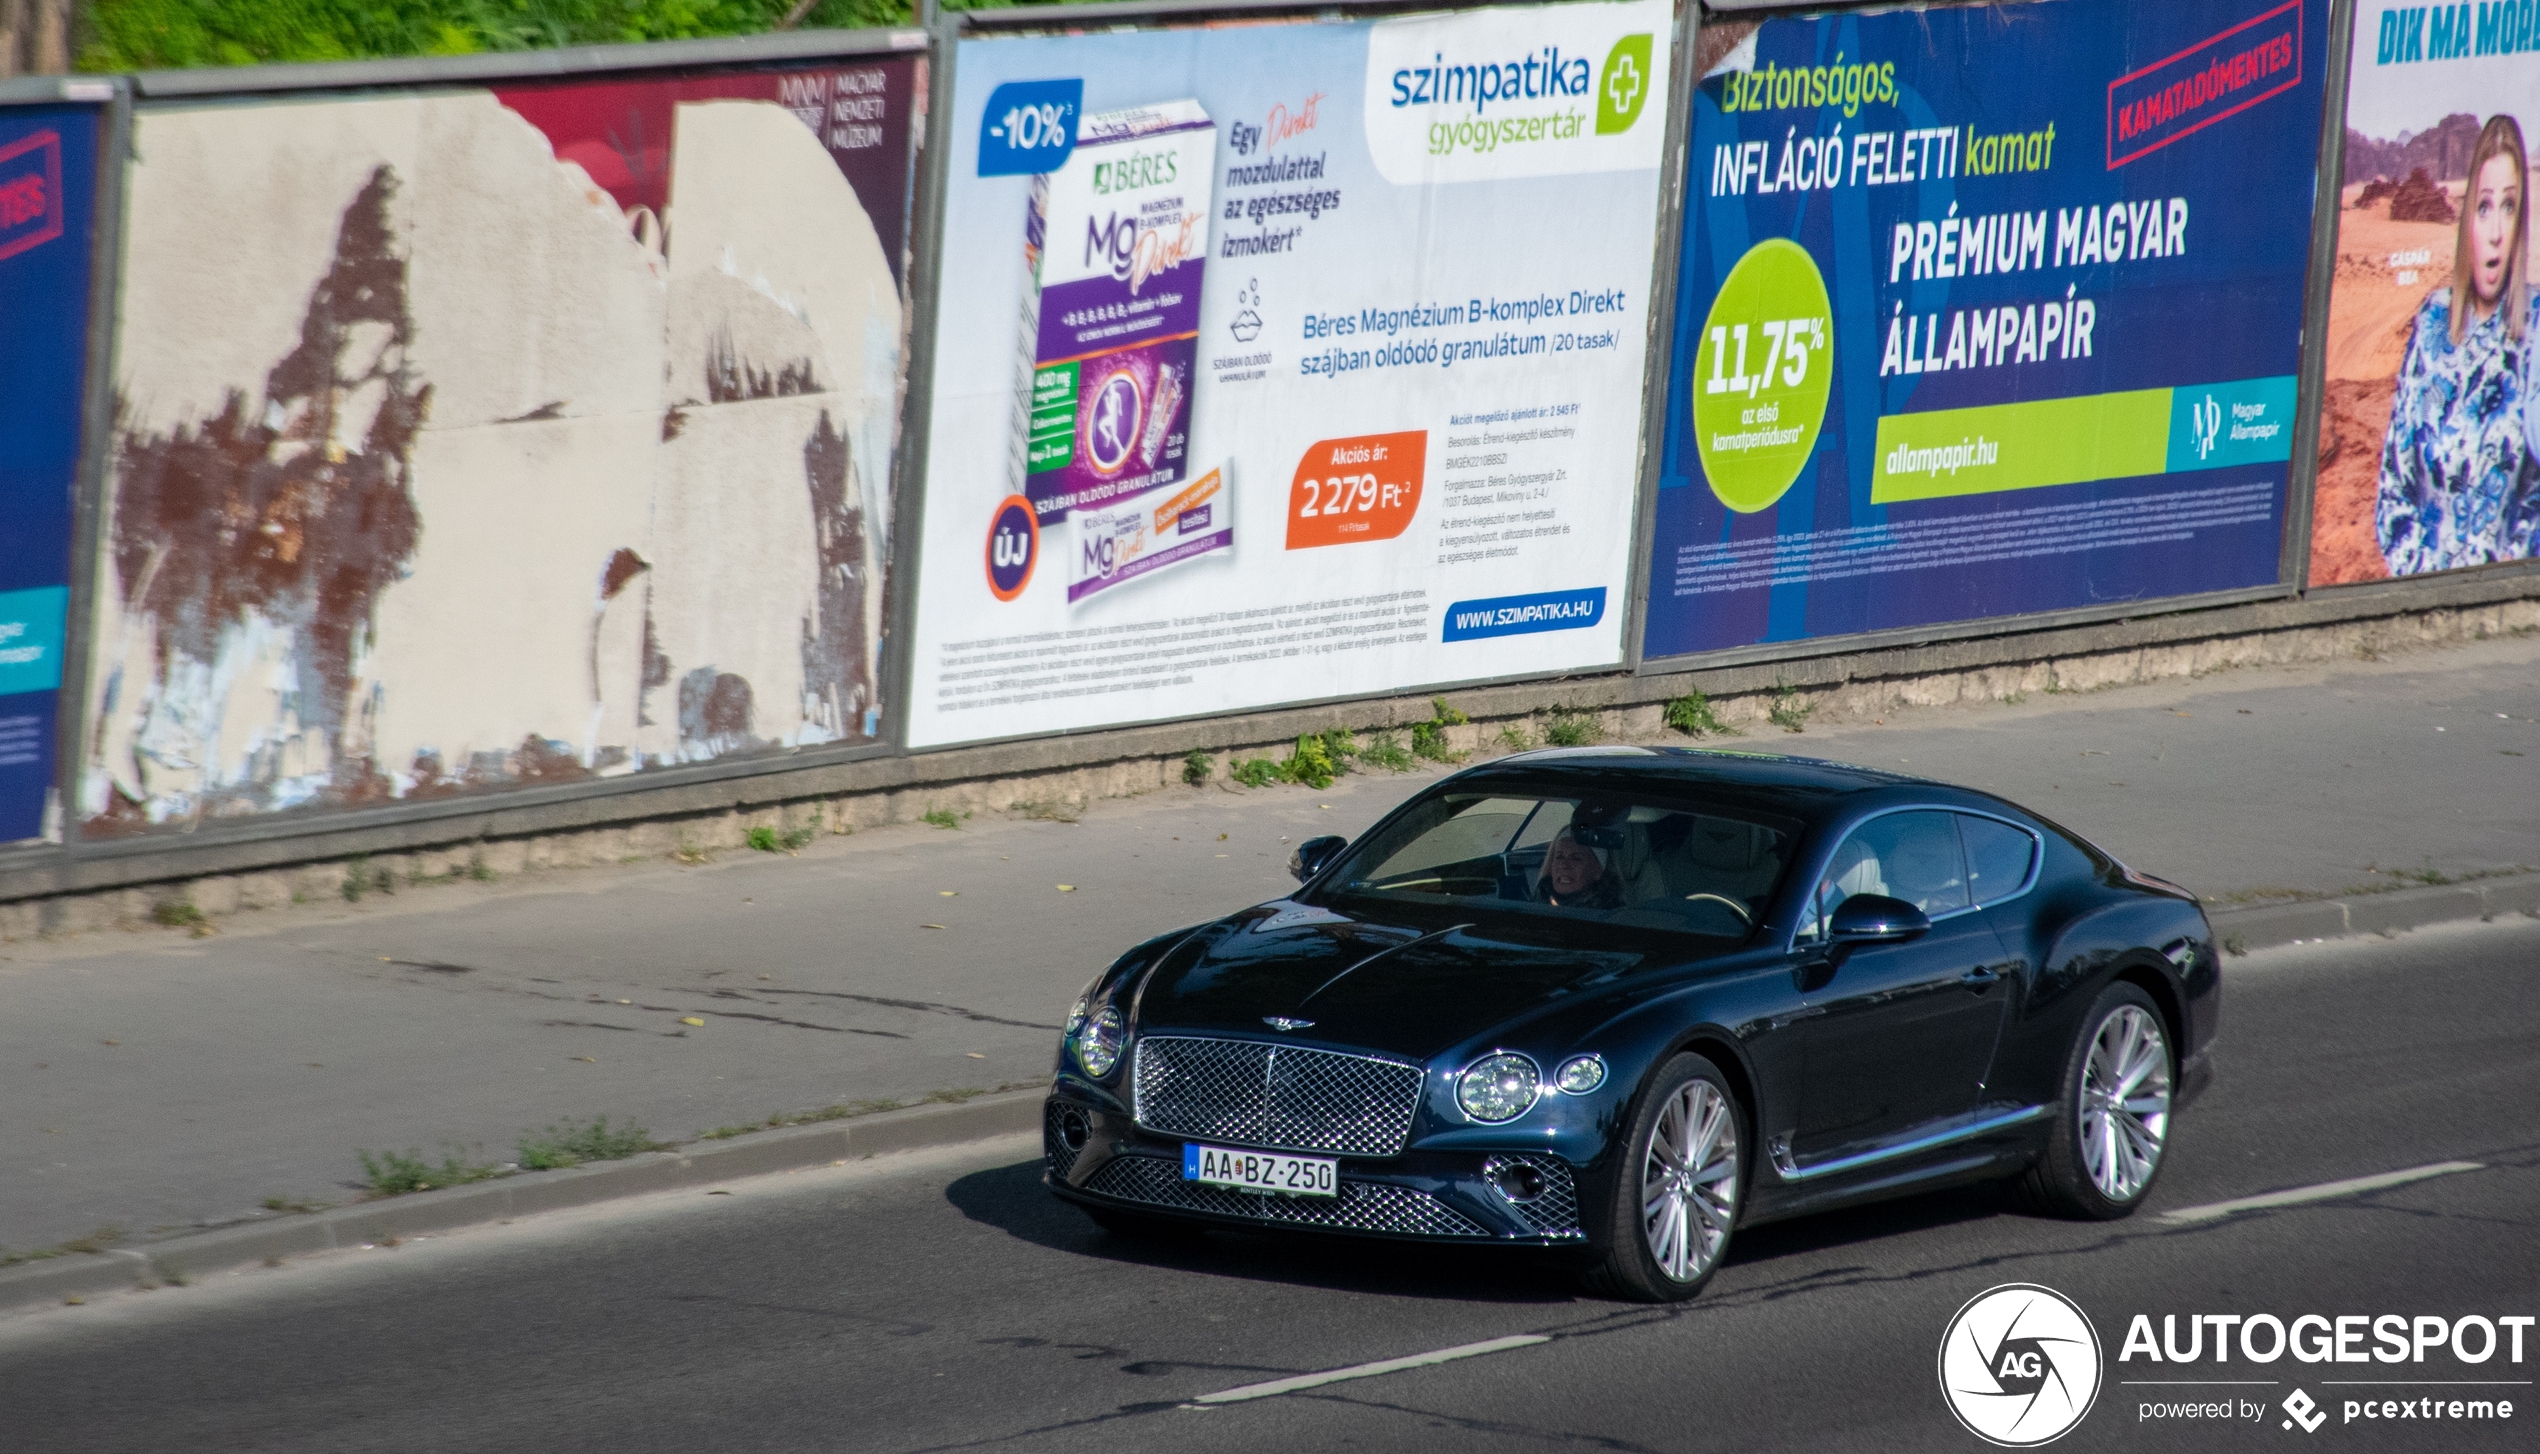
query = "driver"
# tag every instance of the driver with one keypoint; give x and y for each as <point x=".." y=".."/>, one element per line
<point x="1576" y="876"/>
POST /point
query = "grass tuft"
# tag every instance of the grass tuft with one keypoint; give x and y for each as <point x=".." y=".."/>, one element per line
<point x="571" y="1144"/>
<point x="1383" y="749"/>
<point x="942" y="817"/>
<point x="1428" y="739"/>
<point x="1574" y="727"/>
<point x="1254" y="772"/>
<point x="392" y="1173"/>
<point x="1692" y="715"/>
<point x="769" y="840"/>
<point x="1198" y="768"/>
<point x="1790" y="711"/>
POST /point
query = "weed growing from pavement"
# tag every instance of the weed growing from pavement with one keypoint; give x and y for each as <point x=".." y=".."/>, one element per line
<point x="392" y="1173"/>
<point x="850" y="1109"/>
<point x="92" y="1244"/>
<point x="571" y="1144"/>
<point x="1692" y="715"/>
<point x="1516" y="737"/>
<point x="943" y="817"/>
<point x="360" y="878"/>
<point x="294" y="1204"/>
<point x="1198" y="768"/>
<point x="181" y="914"/>
<point x="477" y="870"/>
<point x="1050" y="810"/>
<point x="1254" y="772"/>
<point x="1311" y="764"/>
<point x="1574" y="727"/>
<point x="1428" y="739"/>
<point x="1385" y="750"/>
<point x="1790" y="712"/>
<point x="770" y="840"/>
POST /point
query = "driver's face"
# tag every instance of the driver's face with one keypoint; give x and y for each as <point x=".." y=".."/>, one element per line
<point x="1571" y="866"/>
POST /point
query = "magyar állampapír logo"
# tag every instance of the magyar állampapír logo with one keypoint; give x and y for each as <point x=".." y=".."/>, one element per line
<point x="2019" y="1365"/>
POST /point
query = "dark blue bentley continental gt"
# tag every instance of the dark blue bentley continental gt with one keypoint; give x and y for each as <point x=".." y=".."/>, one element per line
<point x="1627" y="1000"/>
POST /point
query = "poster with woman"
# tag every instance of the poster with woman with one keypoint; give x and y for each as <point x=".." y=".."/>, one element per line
<point x="2429" y="443"/>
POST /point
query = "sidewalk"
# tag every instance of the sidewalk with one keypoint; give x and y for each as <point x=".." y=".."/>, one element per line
<point x="159" y="1081"/>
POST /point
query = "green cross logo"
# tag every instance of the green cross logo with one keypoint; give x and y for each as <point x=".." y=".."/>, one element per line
<point x="1624" y="89"/>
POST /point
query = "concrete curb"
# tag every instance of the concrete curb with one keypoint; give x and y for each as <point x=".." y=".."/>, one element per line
<point x="703" y="1163"/>
<point x="2265" y="927"/>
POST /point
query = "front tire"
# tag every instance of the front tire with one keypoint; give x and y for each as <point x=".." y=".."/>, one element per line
<point x="1674" y="1188"/>
<point x="2113" y="1133"/>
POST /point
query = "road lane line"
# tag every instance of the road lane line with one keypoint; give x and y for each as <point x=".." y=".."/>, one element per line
<point x="1278" y="1386"/>
<point x="2325" y="1191"/>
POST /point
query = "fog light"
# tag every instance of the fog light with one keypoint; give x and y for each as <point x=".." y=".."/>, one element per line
<point x="1516" y="1180"/>
<point x="1073" y="1130"/>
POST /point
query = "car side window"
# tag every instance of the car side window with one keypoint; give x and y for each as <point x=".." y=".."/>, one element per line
<point x="1999" y="857"/>
<point x="1912" y="856"/>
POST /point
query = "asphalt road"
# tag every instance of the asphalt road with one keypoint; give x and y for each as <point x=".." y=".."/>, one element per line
<point x="944" y="1301"/>
<point x="160" y="1081"/>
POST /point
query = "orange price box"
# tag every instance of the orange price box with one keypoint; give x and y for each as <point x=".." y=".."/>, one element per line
<point x="1366" y="487"/>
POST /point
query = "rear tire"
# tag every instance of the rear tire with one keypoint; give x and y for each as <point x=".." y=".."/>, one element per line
<point x="1675" y="1186"/>
<point x="2111" y="1137"/>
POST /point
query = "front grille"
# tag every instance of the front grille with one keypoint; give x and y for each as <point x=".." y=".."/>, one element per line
<point x="1362" y="1206"/>
<point x="1556" y="1212"/>
<point x="1289" y="1097"/>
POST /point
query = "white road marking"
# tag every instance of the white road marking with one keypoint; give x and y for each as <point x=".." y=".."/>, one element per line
<point x="1278" y="1386"/>
<point x="2325" y="1191"/>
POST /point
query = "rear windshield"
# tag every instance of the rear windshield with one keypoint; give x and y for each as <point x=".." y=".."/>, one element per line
<point x="1651" y="864"/>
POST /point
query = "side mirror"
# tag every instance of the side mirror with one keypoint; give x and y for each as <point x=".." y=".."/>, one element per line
<point x="1877" y="919"/>
<point x="1314" y="854"/>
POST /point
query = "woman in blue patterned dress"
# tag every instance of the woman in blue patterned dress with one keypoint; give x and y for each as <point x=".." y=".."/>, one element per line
<point x="2459" y="485"/>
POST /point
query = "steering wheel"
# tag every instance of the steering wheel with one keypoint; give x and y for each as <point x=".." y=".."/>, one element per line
<point x="1744" y="916"/>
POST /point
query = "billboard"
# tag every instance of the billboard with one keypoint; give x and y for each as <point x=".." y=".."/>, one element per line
<point x="1285" y="361"/>
<point x="2429" y="444"/>
<point x="481" y="437"/>
<point x="49" y="154"/>
<point x="1982" y="312"/>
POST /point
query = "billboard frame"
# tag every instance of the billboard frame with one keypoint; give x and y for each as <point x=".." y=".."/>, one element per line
<point x="955" y="26"/>
<point x="152" y="90"/>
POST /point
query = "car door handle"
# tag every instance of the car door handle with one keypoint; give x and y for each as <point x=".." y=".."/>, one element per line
<point x="1980" y="978"/>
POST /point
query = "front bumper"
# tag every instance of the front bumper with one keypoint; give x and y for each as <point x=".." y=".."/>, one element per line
<point x="1100" y="1157"/>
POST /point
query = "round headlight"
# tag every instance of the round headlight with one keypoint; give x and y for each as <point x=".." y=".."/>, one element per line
<point x="1498" y="1087"/>
<point x="1098" y="1043"/>
<point x="1580" y="1074"/>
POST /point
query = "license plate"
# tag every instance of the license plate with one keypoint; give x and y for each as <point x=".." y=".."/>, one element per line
<point x="1262" y="1171"/>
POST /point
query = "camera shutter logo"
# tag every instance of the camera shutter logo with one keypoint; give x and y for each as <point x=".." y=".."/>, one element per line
<point x="2020" y="1365"/>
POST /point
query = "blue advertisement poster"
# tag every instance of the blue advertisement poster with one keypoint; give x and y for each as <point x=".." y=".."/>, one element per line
<point x="48" y="180"/>
<point x="1983" y="311"/>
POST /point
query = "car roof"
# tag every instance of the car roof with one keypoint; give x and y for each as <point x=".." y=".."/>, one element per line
<point x="1804" y="787"/>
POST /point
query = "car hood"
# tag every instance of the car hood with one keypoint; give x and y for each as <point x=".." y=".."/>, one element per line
<point x="1400" y="988"/>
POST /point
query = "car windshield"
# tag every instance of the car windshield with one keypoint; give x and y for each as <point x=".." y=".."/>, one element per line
<point x="1656" y="865"/>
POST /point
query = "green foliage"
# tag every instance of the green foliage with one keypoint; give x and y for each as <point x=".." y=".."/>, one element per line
<point x="1428" y="739"/>
<point x="943" y="817"/>
<point x="392" y="1173"/>
<point x="1311" y="764"/>
<point x="1574" y="727"/>
<point x="769" y="840"/>
<point x="179" y="914"/>
<point x="571" y="1144"/>
<point x="1516" y="737"/>
<point x="1198" y="767"/>
<point x="1691" y="714"/>
<point x="173" y="34"/>
<point x="1788" y="711"/>
<point x="1254" y="772"/>
<point x="1385" y="750"/>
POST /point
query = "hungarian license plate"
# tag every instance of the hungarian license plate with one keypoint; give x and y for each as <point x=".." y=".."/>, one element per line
<point x="1262" y="1171"/>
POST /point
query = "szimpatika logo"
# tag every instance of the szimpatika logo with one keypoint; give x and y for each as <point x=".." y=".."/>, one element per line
<point x="1498" y="94"/>
<point x="2019" y="1365"/>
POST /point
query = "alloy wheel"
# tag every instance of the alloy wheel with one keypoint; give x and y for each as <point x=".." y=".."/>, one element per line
<point x="2125" y="1102"/>
<point x="1689" y="1181"/>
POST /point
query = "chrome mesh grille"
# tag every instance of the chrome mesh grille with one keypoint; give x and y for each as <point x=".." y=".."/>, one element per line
<point x="1253" y="1093"/>
<point x="1054" y="1147"/>
<point x="1362" y="1206"/>
<point x="1556" y="1212"/>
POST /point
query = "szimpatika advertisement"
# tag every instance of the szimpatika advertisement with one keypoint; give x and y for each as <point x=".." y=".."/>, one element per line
<point x="2429" y="447"/>
<point x="1285" y="362"/>
<point x="48" y="199"/>
<point x="1984" y="311"/>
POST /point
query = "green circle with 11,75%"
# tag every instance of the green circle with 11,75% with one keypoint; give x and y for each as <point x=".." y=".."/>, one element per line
<point x="1761" y="375"/>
